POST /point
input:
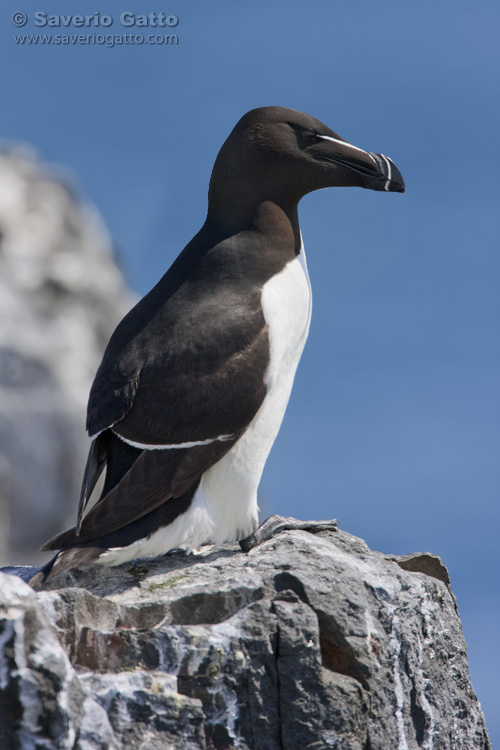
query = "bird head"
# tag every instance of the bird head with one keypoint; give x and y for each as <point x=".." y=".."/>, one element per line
<point x="275" y="156"/>
<point x="280" y="151"/>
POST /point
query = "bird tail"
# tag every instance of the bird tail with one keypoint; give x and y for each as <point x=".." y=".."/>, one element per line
<point x="65" y="560"/>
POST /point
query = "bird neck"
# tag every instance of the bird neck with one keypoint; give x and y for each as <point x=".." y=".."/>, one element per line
<point x="276" y="220"/>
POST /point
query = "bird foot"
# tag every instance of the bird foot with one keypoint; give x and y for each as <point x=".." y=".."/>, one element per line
<point x="274" y="524"/>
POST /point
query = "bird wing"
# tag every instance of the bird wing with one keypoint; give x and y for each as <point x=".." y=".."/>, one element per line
<point x="189" y="398"/>
<point x="191" y="373"/>
<point x="155" y="477"/>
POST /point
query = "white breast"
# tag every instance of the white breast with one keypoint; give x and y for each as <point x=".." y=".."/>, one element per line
<point x="224" y="507"/>
<point x="229" y="489"/>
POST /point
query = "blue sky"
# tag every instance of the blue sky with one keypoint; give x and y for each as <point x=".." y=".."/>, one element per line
<point x="393" y="426"/>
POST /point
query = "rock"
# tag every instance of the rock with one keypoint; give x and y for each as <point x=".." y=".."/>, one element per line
<point x="309" y="642"/>
<point x="61" y="296"/>
<point x="40" y="694"/>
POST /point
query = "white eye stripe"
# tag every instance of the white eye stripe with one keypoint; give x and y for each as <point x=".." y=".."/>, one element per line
<point x="345" y="143"/>
<point x="170" y="446"/>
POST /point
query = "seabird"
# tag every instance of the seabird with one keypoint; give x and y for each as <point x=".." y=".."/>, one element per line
<point x="195" y="380"/>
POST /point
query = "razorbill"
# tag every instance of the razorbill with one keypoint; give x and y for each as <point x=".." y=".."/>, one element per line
<point x="194" y="382"/>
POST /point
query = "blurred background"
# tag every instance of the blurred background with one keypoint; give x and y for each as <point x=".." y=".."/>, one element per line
<point x="393" y="426"/>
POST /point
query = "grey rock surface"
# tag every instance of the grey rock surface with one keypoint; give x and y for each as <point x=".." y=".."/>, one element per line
<point x="308" y="642"/>
<point x="61" y="296"/>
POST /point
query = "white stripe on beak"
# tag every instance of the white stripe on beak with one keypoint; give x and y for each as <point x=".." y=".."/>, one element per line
<point x="389" y="171"/>
<point x="345" y="143"/>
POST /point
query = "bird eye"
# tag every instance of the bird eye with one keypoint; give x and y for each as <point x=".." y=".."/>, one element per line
<point x="309" y="136"/>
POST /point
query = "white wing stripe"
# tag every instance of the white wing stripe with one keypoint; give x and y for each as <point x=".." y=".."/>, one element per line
<point x="169" y="446"/>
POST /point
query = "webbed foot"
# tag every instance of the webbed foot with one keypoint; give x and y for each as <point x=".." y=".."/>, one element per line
<point x="274" y="524"/>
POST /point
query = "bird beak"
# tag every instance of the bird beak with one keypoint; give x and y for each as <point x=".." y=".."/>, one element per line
<point x="377" y="171"/>
<point x="389" y="177"/>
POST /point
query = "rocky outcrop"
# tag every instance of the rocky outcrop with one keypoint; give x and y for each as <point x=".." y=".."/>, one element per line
<point x="308" y="642"/>
<point x="61" y="295"/>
